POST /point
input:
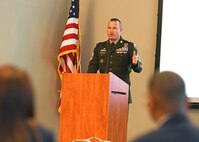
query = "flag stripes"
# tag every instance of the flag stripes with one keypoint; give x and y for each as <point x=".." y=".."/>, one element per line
<point x="69" y="52"/>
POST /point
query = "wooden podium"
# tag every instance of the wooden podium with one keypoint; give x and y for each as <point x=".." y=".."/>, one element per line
<point x="93" y="105"/>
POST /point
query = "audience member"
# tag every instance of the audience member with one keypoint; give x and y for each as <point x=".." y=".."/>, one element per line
<point x="17" y="122"/>
<point x="168" y="103"/>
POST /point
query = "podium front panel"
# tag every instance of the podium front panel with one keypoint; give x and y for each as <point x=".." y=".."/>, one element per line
<point x="93" y="105"/>
<point x="84" y="106"/>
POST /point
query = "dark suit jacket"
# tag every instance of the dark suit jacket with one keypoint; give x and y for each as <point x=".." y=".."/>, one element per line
<point x="47" y="136"/>
<point x="177" y="129"/>
<point x="40" y="134"/>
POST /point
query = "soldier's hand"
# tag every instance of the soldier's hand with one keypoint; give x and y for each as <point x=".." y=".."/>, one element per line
<point x="134" y="58"/>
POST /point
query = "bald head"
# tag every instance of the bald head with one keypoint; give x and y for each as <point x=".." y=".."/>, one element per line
<point x="167" y="93"/>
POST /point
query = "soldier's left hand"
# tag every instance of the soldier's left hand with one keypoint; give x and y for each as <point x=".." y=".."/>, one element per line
<point x="134" y="58"/>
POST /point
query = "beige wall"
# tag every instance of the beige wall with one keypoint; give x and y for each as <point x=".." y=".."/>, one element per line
<point x="31" y="33"/>
<point x="30" y="36"/>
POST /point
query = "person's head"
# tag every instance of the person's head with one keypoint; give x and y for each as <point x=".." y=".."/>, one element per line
<point x="114" y="29"/>
<point x="16" y="98"/>
<point x="167" y="94"/>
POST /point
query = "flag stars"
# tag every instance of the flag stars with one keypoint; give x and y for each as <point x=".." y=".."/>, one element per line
<point x="74" y="9"/>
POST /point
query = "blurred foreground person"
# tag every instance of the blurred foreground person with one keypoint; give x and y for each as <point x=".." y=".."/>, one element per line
<point x="16" y="109"/>
<point x="168" y="103"/>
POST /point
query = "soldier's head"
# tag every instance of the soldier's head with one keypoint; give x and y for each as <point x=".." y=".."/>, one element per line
<point x="166" y="95"/>
<point x="114" y="29"/>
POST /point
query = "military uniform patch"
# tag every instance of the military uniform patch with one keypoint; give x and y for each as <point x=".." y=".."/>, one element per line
<point x="123" y="49"/>
<point x="92" y="56"/>
<point x="101" y="61"/>
<point x="103" y="51"/>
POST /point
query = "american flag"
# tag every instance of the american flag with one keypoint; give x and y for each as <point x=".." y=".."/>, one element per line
<point x="69" y="53"/>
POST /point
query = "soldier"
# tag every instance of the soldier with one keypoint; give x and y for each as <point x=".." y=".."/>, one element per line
<point x="115" y="55"/>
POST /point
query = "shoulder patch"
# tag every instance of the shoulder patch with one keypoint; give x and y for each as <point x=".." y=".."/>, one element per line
<point x="135" y="45"/>
<point x="92" y="56"/>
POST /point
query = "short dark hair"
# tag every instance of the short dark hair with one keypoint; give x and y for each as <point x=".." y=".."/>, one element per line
<point x="16" y="103"/>
<point x="116" y="19"/>
<point x="170" y="89"/>
<point x="15" y="83"/>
